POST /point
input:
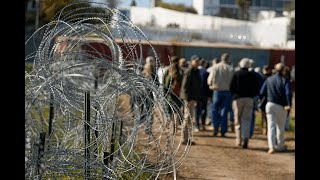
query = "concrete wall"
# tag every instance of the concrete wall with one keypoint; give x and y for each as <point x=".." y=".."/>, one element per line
<point x="265" y="33"/>
<point x="271" y="32"/>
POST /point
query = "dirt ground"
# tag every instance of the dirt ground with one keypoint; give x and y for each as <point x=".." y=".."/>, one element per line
<point x="220" y="159"/>
<point x="217" y="158"/>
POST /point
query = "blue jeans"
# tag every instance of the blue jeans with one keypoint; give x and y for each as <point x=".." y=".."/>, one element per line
<point x="219" y="110"/>
<point x="231" y="111"/>
<point x="253" y="120"/>
<point x="231" y="115"/>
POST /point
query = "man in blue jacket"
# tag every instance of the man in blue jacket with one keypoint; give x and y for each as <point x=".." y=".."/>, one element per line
<point x="278" y="92"/>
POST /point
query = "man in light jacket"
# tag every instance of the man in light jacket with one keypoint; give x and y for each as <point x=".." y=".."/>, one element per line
<point x="219" y="80"/>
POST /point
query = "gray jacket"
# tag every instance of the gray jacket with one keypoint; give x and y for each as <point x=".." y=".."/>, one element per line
<point x="220" y="77"/>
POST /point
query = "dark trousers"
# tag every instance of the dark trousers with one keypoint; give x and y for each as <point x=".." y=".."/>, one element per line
<point x="201" y="112"/>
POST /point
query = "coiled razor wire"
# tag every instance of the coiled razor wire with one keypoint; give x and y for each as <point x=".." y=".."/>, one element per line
<point x="91" y="114"/>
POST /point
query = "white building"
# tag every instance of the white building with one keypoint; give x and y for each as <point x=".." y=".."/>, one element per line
<point x="155" y="22"/>
<point x="207" y="7"/>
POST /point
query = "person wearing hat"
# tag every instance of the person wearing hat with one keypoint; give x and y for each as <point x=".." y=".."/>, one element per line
<point x="219" y="80"/>
<point x="244" y="87"/>
<point x="278" y="92"/>
<point x="190" y="93"/>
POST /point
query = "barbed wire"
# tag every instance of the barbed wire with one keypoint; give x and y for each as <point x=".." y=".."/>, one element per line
<point x="90" y="112"/>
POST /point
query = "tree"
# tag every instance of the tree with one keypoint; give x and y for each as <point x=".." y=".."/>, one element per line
<point x="48" y="8"/>
<point x="244" y="8"/>
<point x="191" y="10"/>
<point x="178" y="7"/>
<point x="227" y="13"/>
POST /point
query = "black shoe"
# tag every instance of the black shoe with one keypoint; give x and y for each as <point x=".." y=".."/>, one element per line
<point x="215" y="134"/>
<point x="223" y="135"/>
<point x="245" y="144"/>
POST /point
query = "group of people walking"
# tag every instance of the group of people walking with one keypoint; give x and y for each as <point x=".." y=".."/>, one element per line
<point x="236" y="93"/>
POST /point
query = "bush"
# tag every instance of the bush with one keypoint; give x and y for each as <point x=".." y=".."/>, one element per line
<point x="178" y="7"/>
